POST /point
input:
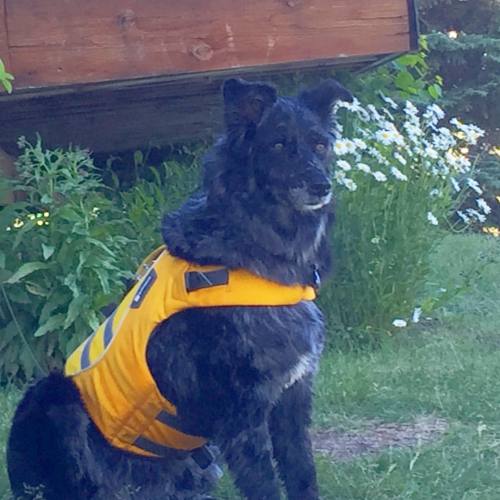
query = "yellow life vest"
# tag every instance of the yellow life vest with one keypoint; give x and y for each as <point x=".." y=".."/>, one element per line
<point x="110" y="368"/>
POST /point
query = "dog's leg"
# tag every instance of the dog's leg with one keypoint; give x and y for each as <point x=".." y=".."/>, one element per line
<point x="292" y="448"/>
<point x="249" y="457"/>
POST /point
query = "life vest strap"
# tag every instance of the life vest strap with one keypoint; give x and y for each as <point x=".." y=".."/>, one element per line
<point x="146" y="444"/>
<point x="202" y="455"/>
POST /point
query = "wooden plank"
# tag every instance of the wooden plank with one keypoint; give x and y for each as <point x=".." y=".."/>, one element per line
<point x="126" y="115"/>
<point x="4" y="47"/>
<point x="57" y="42"/>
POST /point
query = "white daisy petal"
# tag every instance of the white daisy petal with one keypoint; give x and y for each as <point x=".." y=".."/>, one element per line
<point x="399" y="323"/>
<point x="379" y="176"/>
<point x="432" y="219"/>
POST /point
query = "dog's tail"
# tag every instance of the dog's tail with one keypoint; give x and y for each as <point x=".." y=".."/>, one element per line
<point x="33" y="450"/>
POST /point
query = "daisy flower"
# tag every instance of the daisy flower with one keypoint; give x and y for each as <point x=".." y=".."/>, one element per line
<point x="379" y="176"/>
<point x="399" y="323"/>
<point x="344" y="165"/>
<point x="432" y="219"/>
<point x="398" y="174"/>
<point x="483" y="206"/>
<point x="364" y="168"/>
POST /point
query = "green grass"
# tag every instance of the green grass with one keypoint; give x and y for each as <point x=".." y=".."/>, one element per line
<point x="447" y="367"/>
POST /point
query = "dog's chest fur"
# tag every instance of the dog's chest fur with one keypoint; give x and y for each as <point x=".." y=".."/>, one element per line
<point x="286" y="343"/>
<point x="223" y="364"/>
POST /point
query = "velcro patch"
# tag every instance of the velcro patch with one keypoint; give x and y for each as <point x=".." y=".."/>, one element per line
<point x="196" y="280"/>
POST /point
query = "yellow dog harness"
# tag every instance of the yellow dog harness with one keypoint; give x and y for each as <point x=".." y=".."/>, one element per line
<point x="110" y="368"/>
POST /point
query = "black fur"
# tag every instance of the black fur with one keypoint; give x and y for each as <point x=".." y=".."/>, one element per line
<point x="241" y="376"/>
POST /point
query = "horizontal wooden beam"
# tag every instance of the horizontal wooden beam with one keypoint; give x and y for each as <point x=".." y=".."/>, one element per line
<point x="4" y="45"/>
<point x="60" y="42"/>
<point x="127" y="114"/>
<point x="120" y="74"/>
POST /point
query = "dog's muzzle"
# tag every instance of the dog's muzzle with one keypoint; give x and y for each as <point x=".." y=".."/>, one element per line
<point x="323" y="201"/>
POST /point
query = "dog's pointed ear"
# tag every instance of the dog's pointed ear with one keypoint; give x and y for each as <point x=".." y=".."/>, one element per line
<point x="321" y="98"/>
<point x="245" y="102"/>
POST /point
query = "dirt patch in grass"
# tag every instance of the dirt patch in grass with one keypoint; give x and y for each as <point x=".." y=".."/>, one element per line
<point x="376" y="437"/>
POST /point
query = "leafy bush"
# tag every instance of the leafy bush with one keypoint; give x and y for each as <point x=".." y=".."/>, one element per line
<point x="62" y="258"/>
<point x="68" y="249"/>
<point x="400" y="175"/>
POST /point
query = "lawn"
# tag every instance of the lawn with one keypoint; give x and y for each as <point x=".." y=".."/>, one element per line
<point x="445" y="369"/>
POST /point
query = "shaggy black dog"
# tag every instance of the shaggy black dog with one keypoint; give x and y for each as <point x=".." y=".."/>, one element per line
<point x="240" y="376"/>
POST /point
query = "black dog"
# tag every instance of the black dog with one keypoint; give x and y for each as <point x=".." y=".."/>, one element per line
<point x="239" y="376"/>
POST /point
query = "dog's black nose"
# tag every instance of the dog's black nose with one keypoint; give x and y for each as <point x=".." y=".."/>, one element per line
<point x="320" y="189"/>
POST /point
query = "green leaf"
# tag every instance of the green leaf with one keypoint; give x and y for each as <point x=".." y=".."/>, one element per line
<point x="69" y="215"/>
<point x="57" y="298"/>
<point x="50" y="325"/>
<point x="25" y="270"/>
<point x="101" y="245"/>
<point x="47" y="251"/>
<point x="74" y="310"/>
<point x="409" y="59"/>
<point x="7" y="334"/>
<point x="2" y="260"/>
<point x="103" y="279"/>
<point x="70" y="282"/>
<point x="36" y="289"/>
<point x="7" y="85"/>
<point x="404" y="80"/>
<point x="434" y="91"/>
<point x="92" y="320"/>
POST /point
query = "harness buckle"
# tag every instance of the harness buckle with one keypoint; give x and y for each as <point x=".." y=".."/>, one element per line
<point x="203" y="456"/>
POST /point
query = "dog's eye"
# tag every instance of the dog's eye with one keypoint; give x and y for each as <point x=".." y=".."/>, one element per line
<point x="278" y="147"/>
<point x="320" y="148"/>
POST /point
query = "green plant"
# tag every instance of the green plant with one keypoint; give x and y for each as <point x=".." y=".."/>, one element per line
<point x="157" y="190"/>
<point x="63" y="258"/>
<point x="400" y="175"/>
<point x="5" y="78"/>
<point x="406" y="77"/>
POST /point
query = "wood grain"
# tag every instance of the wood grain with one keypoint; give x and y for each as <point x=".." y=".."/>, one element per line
<point x="4" y="47"/>
<point x="120" y="74"/>
<point x="110" y="117"/>
<point x="59" y="42"/>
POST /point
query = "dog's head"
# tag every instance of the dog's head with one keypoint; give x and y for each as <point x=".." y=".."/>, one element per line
<point x="281" y="146"/>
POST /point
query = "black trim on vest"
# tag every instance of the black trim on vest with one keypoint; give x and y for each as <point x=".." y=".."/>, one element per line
<point x="203" y="456"/>
<point x="108" y="330"/>
<point x="147" y="445"/>
<point x="196" y="280"/>
<point x="85" y="357"/>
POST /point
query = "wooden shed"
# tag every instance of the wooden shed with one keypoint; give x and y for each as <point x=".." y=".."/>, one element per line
<point x="117" y="74"/>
